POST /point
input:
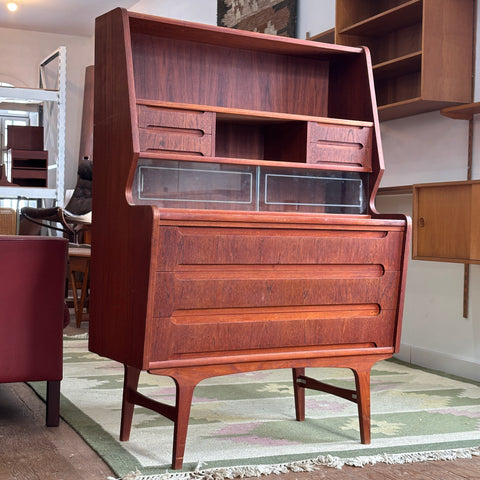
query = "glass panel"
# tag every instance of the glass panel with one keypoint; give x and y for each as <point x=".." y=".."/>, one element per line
<point x="179" y="184"/>
<point x="313" y="191"/>
<point x="204" y="185"/>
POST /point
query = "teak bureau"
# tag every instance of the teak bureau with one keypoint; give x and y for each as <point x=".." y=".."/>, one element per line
<point x="234" y="225"/>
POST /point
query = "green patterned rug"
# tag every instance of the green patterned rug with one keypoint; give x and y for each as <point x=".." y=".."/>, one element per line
<point x="245" y="424"/>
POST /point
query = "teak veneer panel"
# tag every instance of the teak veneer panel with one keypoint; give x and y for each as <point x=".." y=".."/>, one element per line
<point x="204" y="82"/>
<point x="193" y="293"/>
<point x="446" y="224"/>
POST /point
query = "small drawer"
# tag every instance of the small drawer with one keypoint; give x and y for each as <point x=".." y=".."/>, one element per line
<point x="170" y="118"/>
<point x="178" y="142"/>
<point x="350" y="146"/>
<point x="176" y="131"/>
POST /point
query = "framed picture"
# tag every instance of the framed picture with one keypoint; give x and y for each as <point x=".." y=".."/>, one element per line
<point x="277" y="17"/>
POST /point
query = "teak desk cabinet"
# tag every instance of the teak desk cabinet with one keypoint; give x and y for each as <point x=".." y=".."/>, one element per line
<point x="422" y="50"/>
<point x="234" y="225"/>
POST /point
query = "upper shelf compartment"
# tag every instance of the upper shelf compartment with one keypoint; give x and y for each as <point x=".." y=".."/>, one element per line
<point x="211" y="98"/>
<point x="219" y="67"/>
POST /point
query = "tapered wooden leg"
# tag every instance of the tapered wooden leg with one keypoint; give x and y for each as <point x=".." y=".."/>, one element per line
<point x="130" y="384"/>
<point x="362" y="382"/>
<point x="183" y="406"/>
<point x="299" y="392"/>
<point x="53" y="403"/>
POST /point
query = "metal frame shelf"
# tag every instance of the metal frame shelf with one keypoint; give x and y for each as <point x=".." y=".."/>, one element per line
<point x="41" y="95"/>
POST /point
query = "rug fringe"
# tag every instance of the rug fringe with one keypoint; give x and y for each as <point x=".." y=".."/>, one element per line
<point x="227" y="473"/>
<point x="79" y="336"/>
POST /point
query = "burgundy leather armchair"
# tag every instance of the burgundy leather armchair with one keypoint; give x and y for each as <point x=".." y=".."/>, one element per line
<point x="32" y="291"/>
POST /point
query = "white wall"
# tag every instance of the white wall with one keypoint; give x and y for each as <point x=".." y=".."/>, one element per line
<point x="314" y="16"/>
<point x="201" y="11"/>
<point x="21" y="52"/>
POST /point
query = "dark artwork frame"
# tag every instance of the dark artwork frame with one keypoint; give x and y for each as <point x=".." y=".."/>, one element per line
<point x="278" y="17"/>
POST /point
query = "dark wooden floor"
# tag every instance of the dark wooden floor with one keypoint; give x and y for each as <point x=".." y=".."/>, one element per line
<point x="29" y="450"/>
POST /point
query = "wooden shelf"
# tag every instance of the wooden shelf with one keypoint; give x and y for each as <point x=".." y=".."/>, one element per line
<point x="328" y="36"/>
<point x="393" y="19"/>
<point x="462" y="112"/>
<point x="252" y="115"/>
<point x="397" y="190"/>
<point x="398" y="66"/>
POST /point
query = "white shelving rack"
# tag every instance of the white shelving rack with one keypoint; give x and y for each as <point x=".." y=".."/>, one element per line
<point x="43" y="95"/>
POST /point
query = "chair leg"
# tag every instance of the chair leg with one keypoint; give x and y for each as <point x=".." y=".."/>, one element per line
<point x="53" y="403"/>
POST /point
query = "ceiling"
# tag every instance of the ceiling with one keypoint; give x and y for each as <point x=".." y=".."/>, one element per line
<point x="69" y="17"/>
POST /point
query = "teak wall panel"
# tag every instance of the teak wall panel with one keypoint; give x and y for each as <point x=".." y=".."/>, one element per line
<point x="447" y="47"/>
<point x="395" y="44"/>
<point x="177" y="71"/>
<point x="234" y="140"/>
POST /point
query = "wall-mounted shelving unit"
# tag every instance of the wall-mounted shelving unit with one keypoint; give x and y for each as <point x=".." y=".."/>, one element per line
<point x="421" y="50"/>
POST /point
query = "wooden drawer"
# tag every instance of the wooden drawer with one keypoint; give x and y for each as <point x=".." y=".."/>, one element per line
<point x="40" y="173"/>
<point x="177" y="131"/>
<point x="162" y="117"/>
<point x="265" y="333"/>
<point x="350" y="146"/>
<point x="182" y="246"/>
<point x="220" y="289"/>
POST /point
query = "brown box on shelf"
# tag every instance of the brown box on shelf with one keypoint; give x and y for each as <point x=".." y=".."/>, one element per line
<point x="29" y="167"/>
<point x="29" y="178"/>
<point x="25" y="137"/>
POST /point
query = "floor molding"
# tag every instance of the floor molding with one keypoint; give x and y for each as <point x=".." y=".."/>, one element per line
<point x="439" y="361"/>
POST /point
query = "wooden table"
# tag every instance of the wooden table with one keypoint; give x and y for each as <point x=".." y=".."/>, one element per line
<point x="79" y="262"/>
